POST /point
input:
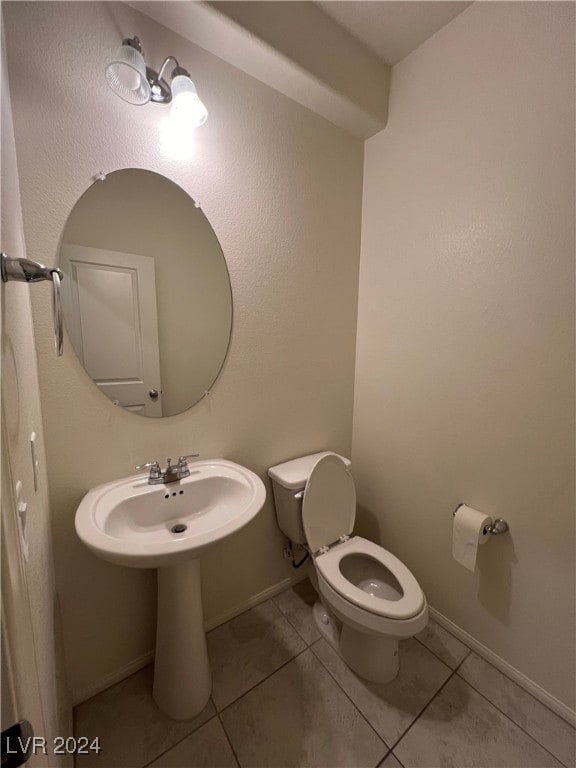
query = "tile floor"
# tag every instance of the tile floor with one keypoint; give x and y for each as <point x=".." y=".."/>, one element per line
<point x="282" y="697"/>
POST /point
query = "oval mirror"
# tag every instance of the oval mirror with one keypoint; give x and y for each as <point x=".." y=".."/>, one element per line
<point x="146" y="293"/>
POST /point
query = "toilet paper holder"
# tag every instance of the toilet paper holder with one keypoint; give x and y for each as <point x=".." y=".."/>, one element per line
<point x="498" y="526"/>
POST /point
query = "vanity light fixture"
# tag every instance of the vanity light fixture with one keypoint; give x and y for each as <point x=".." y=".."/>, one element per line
<point x="134" y="81"/>
<point x="126" y="73"/>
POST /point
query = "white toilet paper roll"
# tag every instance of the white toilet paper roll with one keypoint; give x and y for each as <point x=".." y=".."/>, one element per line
<point x="467" y="532"/>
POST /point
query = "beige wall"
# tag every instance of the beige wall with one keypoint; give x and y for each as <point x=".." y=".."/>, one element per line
<point x="465" y="359"/>
<point x="143" y="213"/>
<point x="30" y="611"/>
<point x="282" y="189"/>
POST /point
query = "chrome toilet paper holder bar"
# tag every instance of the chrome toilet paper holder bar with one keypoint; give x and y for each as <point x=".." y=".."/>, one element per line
<point x="28" y="271"/>
<point x="498" y="526"/>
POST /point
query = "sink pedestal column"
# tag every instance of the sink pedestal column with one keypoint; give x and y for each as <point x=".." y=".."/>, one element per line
<point x="182" y="679"/>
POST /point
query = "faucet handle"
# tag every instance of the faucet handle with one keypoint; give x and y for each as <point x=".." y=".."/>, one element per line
<point x="183" y="460"/>
<point x="154" y="467"/>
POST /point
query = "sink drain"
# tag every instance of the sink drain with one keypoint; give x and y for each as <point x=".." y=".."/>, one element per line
<point x="179" y="528"/>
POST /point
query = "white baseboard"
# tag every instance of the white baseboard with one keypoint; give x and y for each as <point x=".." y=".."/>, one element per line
<point x="147" y="658"/>
<point x="557" y="706"/>
<point x="255" y="600"/>
<point x="113" y="678"/>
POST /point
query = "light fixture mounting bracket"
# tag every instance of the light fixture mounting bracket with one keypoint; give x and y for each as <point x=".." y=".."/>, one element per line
<point x="160" y="92"/>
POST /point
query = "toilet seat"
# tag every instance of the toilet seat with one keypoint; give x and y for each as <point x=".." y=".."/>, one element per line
<point x="328" y="514"/>
<point x="409" y="605"/>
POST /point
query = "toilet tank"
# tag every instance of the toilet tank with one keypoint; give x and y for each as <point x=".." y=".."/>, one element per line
<point x="288" y="482"/>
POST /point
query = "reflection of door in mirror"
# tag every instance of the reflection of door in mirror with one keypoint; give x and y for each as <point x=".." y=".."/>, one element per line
<point x="110" y="301"/>
<point x="143" y="238"/>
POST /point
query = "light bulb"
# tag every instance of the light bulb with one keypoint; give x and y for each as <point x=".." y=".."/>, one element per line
<point x="128" y="77"/>
<point x="186" y="104"/>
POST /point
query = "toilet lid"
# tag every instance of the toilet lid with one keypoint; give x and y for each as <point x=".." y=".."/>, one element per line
<point x="329" y="504"/>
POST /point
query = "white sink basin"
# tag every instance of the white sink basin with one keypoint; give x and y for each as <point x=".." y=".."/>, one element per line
<point x="129" y="522"/>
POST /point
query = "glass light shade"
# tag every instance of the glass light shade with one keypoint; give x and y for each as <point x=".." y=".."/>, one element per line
<point x="126" y="75"/>
<point x="186" y="103"/>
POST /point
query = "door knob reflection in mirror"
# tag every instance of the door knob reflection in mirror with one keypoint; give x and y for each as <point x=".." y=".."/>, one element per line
<point x="153" y="394"/>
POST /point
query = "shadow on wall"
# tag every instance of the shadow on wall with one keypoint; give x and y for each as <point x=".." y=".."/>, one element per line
<point x="367" y="525"/>
<point x="494" y="571"/>
<point x="495" y="582"/>
<point x="10" y="385"/>
<point x="61" y="681"/>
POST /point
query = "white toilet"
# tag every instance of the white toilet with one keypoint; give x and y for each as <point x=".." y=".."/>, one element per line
<point x="368" y="598"/>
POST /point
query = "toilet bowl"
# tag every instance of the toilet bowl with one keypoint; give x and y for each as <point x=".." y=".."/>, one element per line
<point x="368" y="598"/>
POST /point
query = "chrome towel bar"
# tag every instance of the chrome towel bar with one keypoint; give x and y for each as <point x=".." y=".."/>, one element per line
<point x="28" y="271"/>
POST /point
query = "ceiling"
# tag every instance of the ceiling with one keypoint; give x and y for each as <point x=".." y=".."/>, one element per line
<point x="392" y="29"/>
<point x="334" y="58"/>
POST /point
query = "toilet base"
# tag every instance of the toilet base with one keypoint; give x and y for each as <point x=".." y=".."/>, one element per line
<point x="327" y="625"/>
<point x="372" y="657"/>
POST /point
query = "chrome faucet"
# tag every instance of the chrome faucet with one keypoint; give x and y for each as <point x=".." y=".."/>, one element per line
<point x="171" y="474"/>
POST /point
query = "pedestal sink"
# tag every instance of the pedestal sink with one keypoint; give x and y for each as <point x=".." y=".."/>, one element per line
<point x="168" y="526"/>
